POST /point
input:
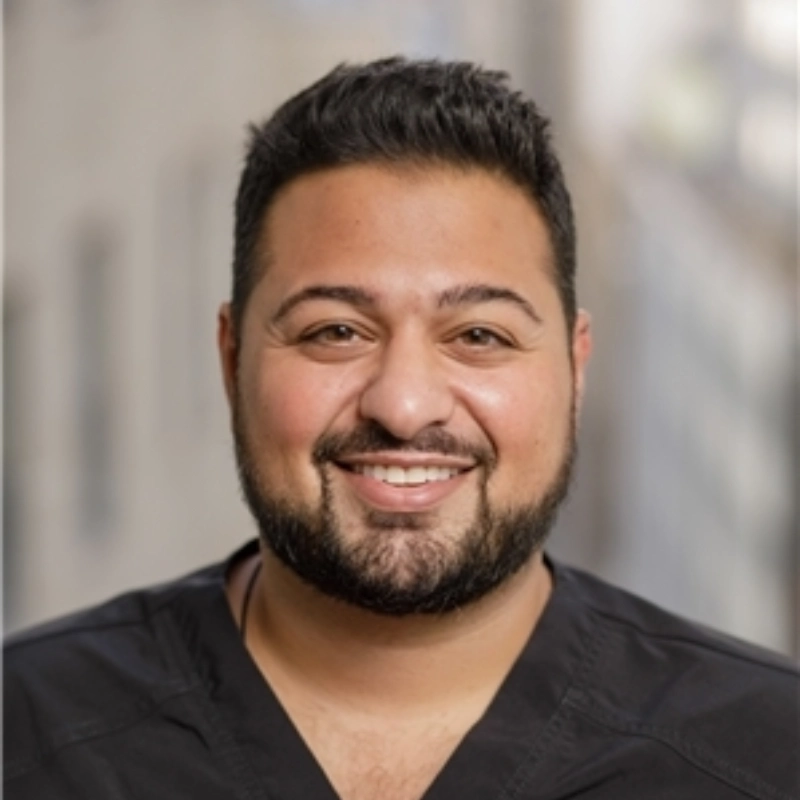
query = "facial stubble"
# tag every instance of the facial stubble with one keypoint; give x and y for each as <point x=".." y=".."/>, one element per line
<point x="405" y="563"/>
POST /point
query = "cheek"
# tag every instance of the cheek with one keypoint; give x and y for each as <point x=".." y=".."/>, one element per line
<point x="290" y="405"/>
<point x="526" y="416"/>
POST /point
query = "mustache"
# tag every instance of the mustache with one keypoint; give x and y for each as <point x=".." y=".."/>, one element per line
<point x="372" y="437"/>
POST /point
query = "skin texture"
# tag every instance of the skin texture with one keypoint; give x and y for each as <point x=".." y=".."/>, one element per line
<point x="420" y="303"/>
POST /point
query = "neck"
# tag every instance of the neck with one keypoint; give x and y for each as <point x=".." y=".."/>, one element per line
<point x="346" y="654"/>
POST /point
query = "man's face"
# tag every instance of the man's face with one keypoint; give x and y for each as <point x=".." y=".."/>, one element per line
<point x="403" y="389"/>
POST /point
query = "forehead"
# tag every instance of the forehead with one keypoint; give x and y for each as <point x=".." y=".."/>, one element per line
<point x="428" y="224"/>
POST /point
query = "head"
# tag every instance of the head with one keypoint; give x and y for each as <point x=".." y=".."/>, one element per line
<point x="397" y="112"/>
<point x="402" y="351"/>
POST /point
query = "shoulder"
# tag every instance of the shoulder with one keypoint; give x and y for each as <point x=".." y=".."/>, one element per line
<point x="727" y="705"/>
<point x="628" y="612"/>
<point x="94" y="671"/>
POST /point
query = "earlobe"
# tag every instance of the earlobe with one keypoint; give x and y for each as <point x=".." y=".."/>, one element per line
<point x="581" y="352"/>
<point x="228" y="350"/>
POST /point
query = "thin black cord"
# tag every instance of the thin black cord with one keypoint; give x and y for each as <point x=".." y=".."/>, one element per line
<point x="248" y="593"/>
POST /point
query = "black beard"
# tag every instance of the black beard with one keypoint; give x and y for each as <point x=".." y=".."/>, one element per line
<point x="435" y="576"/>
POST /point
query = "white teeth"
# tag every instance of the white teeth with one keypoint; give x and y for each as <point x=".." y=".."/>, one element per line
<point x="416" y="475"/>
<point x="398" y="476"/>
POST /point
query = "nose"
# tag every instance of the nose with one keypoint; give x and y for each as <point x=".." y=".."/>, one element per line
<point x="409" y="390"/>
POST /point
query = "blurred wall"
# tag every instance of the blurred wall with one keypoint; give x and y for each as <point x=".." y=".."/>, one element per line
<point x="124" y="130"/>
<point x="684" y="122"/>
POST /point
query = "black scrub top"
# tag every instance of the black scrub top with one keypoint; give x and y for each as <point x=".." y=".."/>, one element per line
<point x="153" y="696"/>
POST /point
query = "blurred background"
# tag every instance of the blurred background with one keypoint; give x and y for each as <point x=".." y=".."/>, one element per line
<point x="677" y="124"/>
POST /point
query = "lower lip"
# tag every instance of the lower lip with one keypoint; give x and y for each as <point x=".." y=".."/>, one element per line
<point x="410" y="498"/>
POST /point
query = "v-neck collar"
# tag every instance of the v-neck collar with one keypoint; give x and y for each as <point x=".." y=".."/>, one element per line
<point x="491" y="761"/>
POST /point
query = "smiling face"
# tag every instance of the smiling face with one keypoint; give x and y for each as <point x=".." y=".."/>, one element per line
<point x="404" y="389"/>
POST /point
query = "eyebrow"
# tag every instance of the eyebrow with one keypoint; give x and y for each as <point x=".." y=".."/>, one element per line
<point x="484" y="293"/>
<point x="469" y="294"/>
<point x="354" y="295"/>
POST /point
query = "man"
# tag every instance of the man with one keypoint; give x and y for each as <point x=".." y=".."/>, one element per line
<point x="405" y="363"/>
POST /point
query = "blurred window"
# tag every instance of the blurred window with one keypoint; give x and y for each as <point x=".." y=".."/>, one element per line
<point x="13" y="418"/>
<point x="769" y="29"/>
<point x="94" y="374"/>
<point x="768" y="142"/>
<point x="184" y="363"/>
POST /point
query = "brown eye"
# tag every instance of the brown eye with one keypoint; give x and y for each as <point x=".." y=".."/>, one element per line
<point x="338" y="333"/>
<point x="483" y="338"/>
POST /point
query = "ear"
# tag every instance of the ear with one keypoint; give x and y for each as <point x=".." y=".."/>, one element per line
<point x="581" y="352"/>
<point x="228" y="350"/>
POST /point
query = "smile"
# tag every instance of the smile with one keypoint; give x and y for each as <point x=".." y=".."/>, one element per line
<point x="384" y="484"/>
<point x="405" y="482"/>
<point x="406" y="476"/>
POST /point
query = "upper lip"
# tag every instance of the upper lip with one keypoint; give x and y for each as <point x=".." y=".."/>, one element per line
<point x="407" y="460"/>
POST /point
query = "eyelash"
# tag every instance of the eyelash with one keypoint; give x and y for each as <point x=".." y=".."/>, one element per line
<point x="498" y="340"/>
<point x="326" y="331"/>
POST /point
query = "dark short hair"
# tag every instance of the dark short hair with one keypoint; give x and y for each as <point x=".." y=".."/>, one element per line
<point x="397" y="111"/>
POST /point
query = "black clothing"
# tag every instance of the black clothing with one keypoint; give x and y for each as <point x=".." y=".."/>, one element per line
<point x="152" y="696"/>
